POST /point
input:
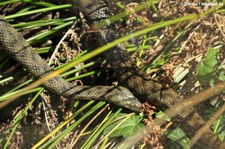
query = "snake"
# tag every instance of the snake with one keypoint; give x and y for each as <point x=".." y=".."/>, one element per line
<point x="135" y="82"/>
<point x="18" y="48"/>
<point x="127" y="72"/>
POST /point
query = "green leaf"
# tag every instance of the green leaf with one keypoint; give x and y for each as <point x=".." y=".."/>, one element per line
<point x="178" y="136"/>
<point x="206" y="70"/>
<point x="162" y="115"/>
<point x="126" y="129"/>
<point x="221" y="74"/>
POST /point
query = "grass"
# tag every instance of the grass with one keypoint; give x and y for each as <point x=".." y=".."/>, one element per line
<point x="149" y="37"/>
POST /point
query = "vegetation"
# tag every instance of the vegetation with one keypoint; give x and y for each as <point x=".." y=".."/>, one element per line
<point x="173" y="43"/>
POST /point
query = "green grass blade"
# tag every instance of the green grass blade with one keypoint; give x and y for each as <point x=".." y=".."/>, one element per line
<point x="13" y="16"/>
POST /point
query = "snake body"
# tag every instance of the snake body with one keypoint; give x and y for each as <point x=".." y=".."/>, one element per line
<point x="128" y="73"/>
<point x="131" y="77"/>
<point x="17" y="47"/>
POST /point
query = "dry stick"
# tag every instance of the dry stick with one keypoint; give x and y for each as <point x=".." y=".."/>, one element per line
<point x="172" y="112"/>
<point x="60" y="42"/>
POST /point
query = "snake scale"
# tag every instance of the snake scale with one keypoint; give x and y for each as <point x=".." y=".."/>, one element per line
<point x="128" y="73"/>
<point x="14" y="44"/>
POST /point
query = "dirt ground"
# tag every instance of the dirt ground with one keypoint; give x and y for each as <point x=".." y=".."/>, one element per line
<point x="181" y="47"/>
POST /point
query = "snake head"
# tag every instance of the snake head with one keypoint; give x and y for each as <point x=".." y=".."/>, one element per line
<point x="124" y="98"/>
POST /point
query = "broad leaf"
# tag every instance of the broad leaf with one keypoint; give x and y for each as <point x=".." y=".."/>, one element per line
<point x="206" y="70"/>
<point x="126" y="129"/>
<point x="178" y="136"/>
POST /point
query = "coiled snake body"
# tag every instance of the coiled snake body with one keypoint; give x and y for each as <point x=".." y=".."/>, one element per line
<point x="128" y="73"/>
<point x="14" y="44"/>
<point x="118" y="57"/>
<point x="130" y="76"/>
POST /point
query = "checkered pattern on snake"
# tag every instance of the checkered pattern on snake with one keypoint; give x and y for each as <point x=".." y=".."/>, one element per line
<point x="17" y="47"/>
<point x="128" y="73"/>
